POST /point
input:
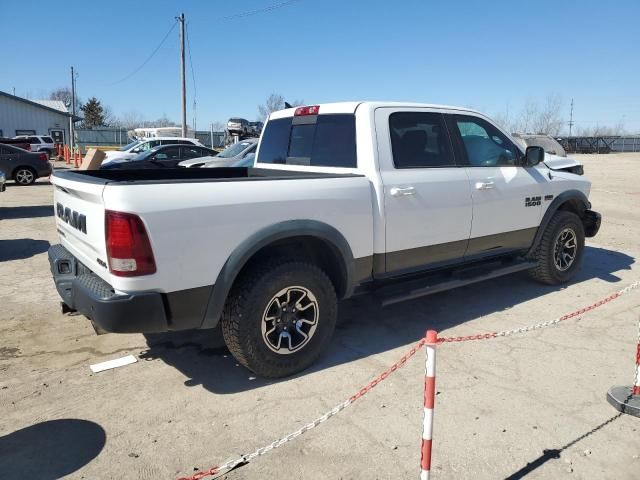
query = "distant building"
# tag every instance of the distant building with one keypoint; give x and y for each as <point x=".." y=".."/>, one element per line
<point x="20" y="116"/>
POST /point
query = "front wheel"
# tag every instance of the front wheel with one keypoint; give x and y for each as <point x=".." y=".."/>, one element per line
<point x="560" y="251"/>
<point x="280" y="317"/>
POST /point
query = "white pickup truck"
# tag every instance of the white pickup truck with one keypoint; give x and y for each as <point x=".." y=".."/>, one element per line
<point x="399" y="199"/>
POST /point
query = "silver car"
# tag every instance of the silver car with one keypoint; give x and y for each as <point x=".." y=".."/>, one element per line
<point x="3" y="181"/>
<point x="237" y="125"/>
<point x="227" y="157"/>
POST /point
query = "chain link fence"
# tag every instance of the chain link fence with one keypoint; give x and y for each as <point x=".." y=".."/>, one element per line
<point x="109" y="137"/>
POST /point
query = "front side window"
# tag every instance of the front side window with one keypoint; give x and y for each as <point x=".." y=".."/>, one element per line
<point x="419" y="140"/>
<point x="330" y="141"/>
<point x="193" y="152"/>
<point x="484" y="144"/>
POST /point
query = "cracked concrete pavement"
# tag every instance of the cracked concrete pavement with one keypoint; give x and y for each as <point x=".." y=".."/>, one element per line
<point x="529" y="406"/>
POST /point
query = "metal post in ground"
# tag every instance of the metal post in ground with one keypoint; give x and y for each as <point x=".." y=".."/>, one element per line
<point x="627" y="399"/>
<point x="429" y="402"/>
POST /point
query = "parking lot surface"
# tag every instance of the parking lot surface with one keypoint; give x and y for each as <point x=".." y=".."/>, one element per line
<point x="531" y="405"/>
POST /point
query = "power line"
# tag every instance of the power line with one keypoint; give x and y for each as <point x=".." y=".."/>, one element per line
<point x="148" y="58"/>
<point x="249" y="13"/>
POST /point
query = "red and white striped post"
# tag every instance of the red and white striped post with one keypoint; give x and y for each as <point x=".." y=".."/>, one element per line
<point x="627" y="399"/>
<point x="429" y="402"/>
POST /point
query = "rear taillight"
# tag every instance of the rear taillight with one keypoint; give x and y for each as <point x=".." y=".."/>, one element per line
<point x="312" y="110"/>
<point x="43" y="157"/>
<point x="128" y="248"/>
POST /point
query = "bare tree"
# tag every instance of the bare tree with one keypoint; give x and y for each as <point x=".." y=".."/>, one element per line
<point x="548" y="120"/>
<point x="543" y="119"/>
<point x="108" y="117"/>
<point x="218" y="126"/>
<point x="130" y="120"/>
<point x="602" y="130"/>
<point x="274" y="103"/>
<point x="64" y="94"/>
<point x="163" y="121"/>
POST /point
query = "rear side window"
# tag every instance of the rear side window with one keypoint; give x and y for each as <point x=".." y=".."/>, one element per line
<point x="47" y="139"/>
<point x="419" y="140"/>
<point x="34" y="140"/>
<point x="330" y="141"/>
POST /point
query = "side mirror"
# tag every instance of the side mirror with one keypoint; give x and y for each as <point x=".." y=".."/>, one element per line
<point x="533" y="156"/>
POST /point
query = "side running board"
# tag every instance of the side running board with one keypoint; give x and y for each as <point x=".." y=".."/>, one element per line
<point x="426" y="286"/>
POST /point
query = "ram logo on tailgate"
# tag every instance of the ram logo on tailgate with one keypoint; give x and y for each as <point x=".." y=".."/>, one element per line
<point x="73" y="218"/>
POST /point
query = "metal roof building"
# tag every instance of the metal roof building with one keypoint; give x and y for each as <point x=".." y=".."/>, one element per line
<point x="20" y="116"/>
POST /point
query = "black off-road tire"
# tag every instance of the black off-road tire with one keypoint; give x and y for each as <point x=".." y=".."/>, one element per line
<point x="243" y="316"/>
<point x="546" y="270"/>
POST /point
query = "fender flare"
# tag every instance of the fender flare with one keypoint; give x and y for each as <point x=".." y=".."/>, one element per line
<point x="262" y="238"/>
<point x="575" y="195"/>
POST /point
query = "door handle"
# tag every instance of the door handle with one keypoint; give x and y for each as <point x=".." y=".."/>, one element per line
<point x="488" y="185"/>
<point x="402" y="191"/>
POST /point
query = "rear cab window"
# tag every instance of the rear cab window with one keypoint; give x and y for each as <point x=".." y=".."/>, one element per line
<point x="316" y="140"/>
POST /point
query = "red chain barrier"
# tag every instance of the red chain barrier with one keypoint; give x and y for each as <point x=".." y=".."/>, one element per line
<point x="431" y="340"/>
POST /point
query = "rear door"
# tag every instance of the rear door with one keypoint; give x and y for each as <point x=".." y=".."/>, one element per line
<point x="427" y="195"/>
<point x="79" y="213"/>
<point x="168" y="157"/>
<point x="506" y="196"/>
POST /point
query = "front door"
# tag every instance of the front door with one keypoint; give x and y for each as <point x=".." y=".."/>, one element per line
<point x="57" y="135"/>
<point x="427" y="196"/>
<point x="507" y="203"/>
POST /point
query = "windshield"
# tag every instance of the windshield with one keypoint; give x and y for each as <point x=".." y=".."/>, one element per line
<point x="128" y="146"/>
<point x="234" y="150"/>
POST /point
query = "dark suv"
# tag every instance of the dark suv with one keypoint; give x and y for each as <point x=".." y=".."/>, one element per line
<point x="22" y="166"/>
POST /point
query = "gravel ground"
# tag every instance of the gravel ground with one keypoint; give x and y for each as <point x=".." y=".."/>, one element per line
<point x="525" y="406"/>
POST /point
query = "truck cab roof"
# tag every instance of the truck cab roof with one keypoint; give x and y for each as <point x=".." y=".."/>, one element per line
<point x="351" y="107"/>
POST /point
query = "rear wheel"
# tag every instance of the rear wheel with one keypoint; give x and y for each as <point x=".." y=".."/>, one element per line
<point x="280" y="317"/>
<point x="24" y="175"/>
<point x="560" y="251"/>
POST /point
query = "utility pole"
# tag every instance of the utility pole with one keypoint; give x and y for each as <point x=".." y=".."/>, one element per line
<point x="73" y="108"/>
<point x="571" y="118"/>
<point x="182" y="77"/>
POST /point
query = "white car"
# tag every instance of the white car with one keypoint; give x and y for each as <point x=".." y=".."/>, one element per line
<point x="39" y="143"/>
<point x="398" y="199"/>
<point x="138" y="146"/>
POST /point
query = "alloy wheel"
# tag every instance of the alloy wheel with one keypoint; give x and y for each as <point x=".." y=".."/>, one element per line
<point x="290" y="320"/>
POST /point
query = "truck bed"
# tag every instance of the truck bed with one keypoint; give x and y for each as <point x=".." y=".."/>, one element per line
<point x="190" y="175"/>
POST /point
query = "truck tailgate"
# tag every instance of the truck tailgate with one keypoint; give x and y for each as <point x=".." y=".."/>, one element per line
<point x="80" y="221"/>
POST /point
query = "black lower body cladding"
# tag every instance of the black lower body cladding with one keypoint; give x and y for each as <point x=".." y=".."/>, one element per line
<point x="591" y="222"/>
<point x="143" y="312"/>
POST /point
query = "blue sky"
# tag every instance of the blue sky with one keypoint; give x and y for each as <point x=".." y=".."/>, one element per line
<point x="489" y="55"/>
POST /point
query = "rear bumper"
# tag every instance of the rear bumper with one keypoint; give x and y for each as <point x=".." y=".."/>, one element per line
<point x="139" y="312"/>
<point x="591" y="221"/>
<point x="44" y="170"/>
